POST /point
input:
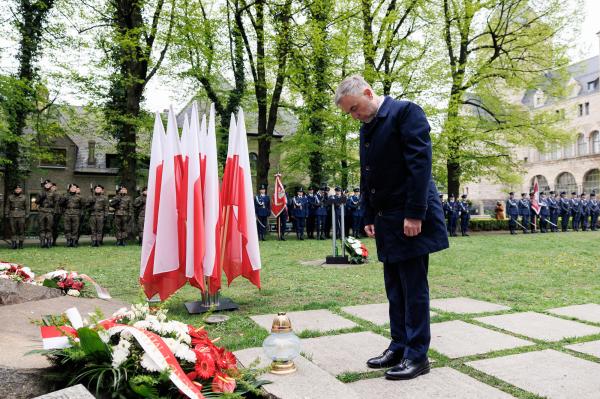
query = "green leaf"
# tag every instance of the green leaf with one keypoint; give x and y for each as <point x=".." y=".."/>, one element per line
<point x="91" y="343"/>
<point x="50" y="283"/>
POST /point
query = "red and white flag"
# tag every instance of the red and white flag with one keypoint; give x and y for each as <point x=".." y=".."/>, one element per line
<point x="279" y="201"/>
<point x="168" y="268"/>
<point x="195" y="204"/>
<point x="240" y="254"/>
<point x="212" y="206"/>
<point x="535" y="203"/>
<point x="151" y="214"/>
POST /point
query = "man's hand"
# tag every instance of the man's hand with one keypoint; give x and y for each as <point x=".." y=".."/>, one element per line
<point x="370" y="230"/>
<point x="412" y="227"/>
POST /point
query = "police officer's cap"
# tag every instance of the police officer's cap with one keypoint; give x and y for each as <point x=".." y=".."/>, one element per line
<point x="451" y="196"/>
<point x="263" y="187"/>
<point x="311" y="188"/>
<point x="99" y="185"/>
<point x="324" y="188"/>
<point x="300" y="190"/>
<point x="593" y="194"/>
<point x="441" y="195"/>
<point x="511" y="193"/>
<point x="542" y="193"/>
<point x="574" y="193"/>
<point x="551" y="192"/>
<point x="338" y="189"/>
<point x="563" y="193"/>
<point x="582" y="194"/>
<point x="463" y="196"/>
<point x="356" y="189"/>
<point x="523" y="194"/>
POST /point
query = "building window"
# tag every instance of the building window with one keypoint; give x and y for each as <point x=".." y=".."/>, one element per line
<point x="595" y="138"/>
<point x="591" y="181"/>
<point x="587" y="108"/>
<point x="91" y="152"/>
<point x="565" y="182"/>
<point x="581" y="145"/>
<point x="580" y="109"/>
<point x="54" y="158"/>
<point x="593" y="85"/>
<point x="112" y="161"/>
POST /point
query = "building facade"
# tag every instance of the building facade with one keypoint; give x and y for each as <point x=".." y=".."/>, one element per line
<point x="574" y="167"/>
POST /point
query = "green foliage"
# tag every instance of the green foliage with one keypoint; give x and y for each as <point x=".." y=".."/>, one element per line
<point x="91" y="344"/>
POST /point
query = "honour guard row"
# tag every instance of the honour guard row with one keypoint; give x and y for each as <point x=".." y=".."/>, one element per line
<point x="72" y="207"/>
<point x="457" y="211"/>
<point x="578" y="212"/>
<point x="311" y="213"/>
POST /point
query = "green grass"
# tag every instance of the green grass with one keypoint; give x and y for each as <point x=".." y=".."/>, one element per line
<point x="526" y="272"/>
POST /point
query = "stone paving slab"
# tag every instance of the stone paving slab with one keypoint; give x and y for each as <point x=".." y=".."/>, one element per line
<point x="74" y="392"/>
<point x="321" y="320"/>
<point x="540" y="326"/>
<point x="466" y="305"/>
<point x="590" y="348"/>
<point x="377" y="313"/>
<point x="19" y="336"/>
<point x="440" y="383"/>
<point x="308" y="382"/>
<point x="457" y="338"/>
<point x="586" y="312"/>
<point x="342" y="353"/>
<point x="546" y="373"/>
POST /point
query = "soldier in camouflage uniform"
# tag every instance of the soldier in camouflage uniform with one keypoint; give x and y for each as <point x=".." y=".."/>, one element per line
<point x="98" y="209"/>
<point x="139" y="206"/>
<point x="57" y="214"/>
<point x="72" y="204"/>
<point x="16" y="212"/>
<point x="47" y="207"/>
<point x="122" y="205"/>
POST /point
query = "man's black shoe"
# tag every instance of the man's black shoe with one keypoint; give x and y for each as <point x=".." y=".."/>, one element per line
<point x="408" y="369"/>
<point x="387" y="359"/>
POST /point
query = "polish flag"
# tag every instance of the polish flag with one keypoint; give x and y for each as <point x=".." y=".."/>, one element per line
<point x="240" y="253"/>
<point x="195" y="204"/>
<point x="147" y="279"/>
<point x="168" y="268"/>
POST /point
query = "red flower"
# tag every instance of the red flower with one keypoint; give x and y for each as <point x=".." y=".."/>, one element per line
<point x="223" y="383"/>
<point x="77" y="285"/>
<point x="199" y="335"/>
<point x="205" y="364"/>
<point x="227" y="361"/>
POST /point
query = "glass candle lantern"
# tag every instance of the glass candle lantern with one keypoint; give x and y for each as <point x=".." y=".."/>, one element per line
<point x="282" y="345"/>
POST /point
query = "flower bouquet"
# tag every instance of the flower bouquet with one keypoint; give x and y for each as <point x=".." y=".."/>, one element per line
<point x="69" y="282"/>
<point x="137" y="353"/>
<point x="16" y="272"/>
<point x="357" y="251"/>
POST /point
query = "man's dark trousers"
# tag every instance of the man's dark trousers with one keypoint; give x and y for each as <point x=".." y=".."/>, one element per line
<point x="408" y="294"/>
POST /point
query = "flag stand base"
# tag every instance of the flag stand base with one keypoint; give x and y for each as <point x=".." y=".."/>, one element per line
<point x="337" y="260"/>
<point x="198" y="307"/>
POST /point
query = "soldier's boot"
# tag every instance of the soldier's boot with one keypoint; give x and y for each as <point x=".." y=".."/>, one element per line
<point x="69" y="242"/>
<point x="53" y="242"/>
<point x="20" y="244"/>
<point x="76" y="242"/>
<point x="13" y="245"/>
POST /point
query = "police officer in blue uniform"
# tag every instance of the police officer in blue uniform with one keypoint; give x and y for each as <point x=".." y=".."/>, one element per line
<point x="465" y="216"/>
<point x="584" y="212"/>
<point x="321" y="211"/>
<point x="402" y="212"/>
<point x="565" y="211"/>
<point x="524" y="212"/>
<point x="300" y="212"/>
<point x="554" y="210"/>
<point x="451" y="212"/>
<point x="512" y="210"/>
<point x="311" y="198"/>
<point x="262" y="208"/>
<point x="575" y="212"/>
<point x="594" y="211"/>
<point x="338" y="200"/>
<point x="357" y="215"/>
<point x="544" y="213"/>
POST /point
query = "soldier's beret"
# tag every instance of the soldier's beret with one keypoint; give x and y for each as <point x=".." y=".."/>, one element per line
<point x="47" y="181"/>
<point x="99" y="185"/>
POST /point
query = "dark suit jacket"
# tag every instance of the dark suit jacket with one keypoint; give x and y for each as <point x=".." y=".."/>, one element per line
<point x="396" y="182"/>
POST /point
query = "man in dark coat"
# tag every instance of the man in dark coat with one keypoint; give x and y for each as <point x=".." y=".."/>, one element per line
<point x="565" y="210"/>
<point x="262" y="209"/>
<point x="512" y="210"/>
<point x="402" y="212"/>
